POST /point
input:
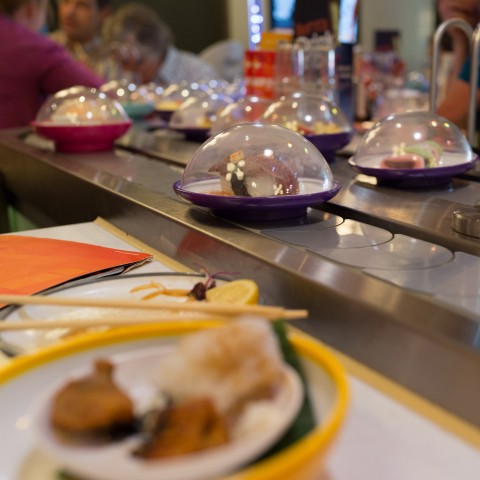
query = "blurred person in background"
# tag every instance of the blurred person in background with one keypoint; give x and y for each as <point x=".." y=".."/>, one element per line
<point x="315" y="18"/>
<point x="79" y="30"/>
<point x="467" y="10"/>
<point x="455" y="104"/>
<point x="146" y="45"/>
<point x="321" y="16"/>
<point x="31" y="65"/>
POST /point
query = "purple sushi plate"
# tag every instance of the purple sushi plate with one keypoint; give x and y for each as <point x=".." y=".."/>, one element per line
<point x="257" y="208"/>
<point x="165" y="115"/>
<point x="412" y="177"/>
<point x="329" y="143"/>
<point x="194" y="134"/>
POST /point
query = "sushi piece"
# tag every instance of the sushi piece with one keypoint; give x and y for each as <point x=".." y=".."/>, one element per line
<point x="430" y="151"/>
<point x="422" y="155"/>
<point x="407" y="160"/>
<point x="257" y="175"/>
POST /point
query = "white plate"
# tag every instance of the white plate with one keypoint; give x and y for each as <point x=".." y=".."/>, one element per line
<point x="22" y="379"/>
<point x="135" y="372"/>
<point x="120" y="287"/>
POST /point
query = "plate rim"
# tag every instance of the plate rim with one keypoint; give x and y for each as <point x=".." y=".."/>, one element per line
<point x="237" y="202"/>
<point x="337" y="137"/>
<point x="414" y="174"/>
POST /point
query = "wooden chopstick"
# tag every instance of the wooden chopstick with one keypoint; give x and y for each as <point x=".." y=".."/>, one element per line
<point x="195" y="306"/>
<point x="47" y="324"/>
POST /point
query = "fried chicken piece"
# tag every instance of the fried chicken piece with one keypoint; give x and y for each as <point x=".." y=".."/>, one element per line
<point x="92" y="407"/>
<point x="185" y="428"/>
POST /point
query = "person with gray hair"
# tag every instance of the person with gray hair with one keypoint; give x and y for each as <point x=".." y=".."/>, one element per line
<point x="146" y="47"/>
<point x="31" y="65"/>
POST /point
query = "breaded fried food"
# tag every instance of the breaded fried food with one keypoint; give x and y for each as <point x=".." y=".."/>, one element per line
<point x="92" y="406"/>
<point x="185" y="428"/>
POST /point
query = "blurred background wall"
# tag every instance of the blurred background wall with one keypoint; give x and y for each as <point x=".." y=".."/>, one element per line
<point x="413" y="19"/>
<point x="195" y="23"/>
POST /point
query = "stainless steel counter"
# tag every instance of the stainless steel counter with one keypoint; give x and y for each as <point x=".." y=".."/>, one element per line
<point x="425" y="345"/>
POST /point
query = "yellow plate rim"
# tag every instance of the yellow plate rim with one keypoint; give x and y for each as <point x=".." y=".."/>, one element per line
<point x="275" y="466"/>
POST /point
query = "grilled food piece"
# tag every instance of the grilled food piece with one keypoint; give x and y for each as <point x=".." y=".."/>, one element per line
<point x="185" y="428"/>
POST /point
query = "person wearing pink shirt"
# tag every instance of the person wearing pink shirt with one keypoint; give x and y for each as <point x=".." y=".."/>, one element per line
<point x="31" y="65"/>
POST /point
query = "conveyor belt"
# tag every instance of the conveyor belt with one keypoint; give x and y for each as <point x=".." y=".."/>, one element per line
<point x="410" y="335"/>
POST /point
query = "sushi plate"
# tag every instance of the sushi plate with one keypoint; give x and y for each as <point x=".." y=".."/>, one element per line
<point x="165" y="115"/>
<point x="82" y="138"/>
<point x="136" y="110"/>
<point x="236" y="207"/>
<point x="133" y="286"/>
<point x="26" y="380"/>
<point x="452" y="164"/>
<point x="329" y="143"/>
<point x="196" y="134"/>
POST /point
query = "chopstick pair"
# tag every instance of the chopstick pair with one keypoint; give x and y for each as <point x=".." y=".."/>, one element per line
<point x="205" y="308"/>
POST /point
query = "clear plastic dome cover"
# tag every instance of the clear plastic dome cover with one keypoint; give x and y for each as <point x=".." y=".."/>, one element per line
<point x="245" y="110"/>
<point x="153" y="92"/>
<point x="398" y="100"/>
<point x="257" y="160"/>
<point x="217" y="85"/>
<point x="134" y="98"/>
<point x="174" y="95"/>
<point x="81" y="106"/>
<point x="414" y="140"/>
<point x="126" y="92"/>
<point x="235" y="90"/>
<point x="307" y="114"/>
<point x="198" y="113"/>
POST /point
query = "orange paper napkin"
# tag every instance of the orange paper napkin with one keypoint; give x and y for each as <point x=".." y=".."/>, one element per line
<point x="29" y="265"/>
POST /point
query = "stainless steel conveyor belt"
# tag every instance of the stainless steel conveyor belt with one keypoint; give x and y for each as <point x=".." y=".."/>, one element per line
<point x="410" y="335"/>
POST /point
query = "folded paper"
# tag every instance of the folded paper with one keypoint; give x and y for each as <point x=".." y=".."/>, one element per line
<point x="30" y="265"/>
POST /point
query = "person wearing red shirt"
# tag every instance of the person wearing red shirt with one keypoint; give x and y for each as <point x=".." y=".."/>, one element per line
<point x="31" y="65"/>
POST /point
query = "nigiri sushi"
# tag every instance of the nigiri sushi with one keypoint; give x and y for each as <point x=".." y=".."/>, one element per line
<point x="406" y="160"/>
<point x="257" y="175"/>
<point x="430" y="151"/>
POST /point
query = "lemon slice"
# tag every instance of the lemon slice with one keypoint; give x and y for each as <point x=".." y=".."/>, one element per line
<point x="239" y="292"/>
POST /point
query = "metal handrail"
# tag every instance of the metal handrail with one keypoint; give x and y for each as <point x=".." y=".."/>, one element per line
<point x="472" y="109"/>
<point x="439" y="32"/>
